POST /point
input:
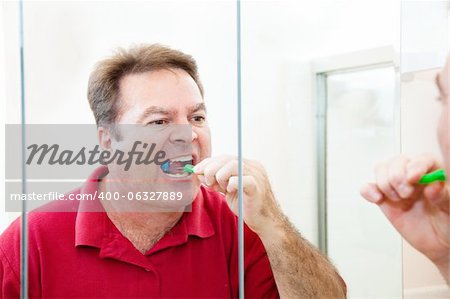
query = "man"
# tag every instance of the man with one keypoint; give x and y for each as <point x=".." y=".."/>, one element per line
<point x="420" y="214"/>
<point x="165" y="253"/>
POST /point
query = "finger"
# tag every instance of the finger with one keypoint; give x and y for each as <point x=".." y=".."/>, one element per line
<point x="210" y="169"/>
<point x="371" y="193"/>
<point x="438" y="194"/>
<point x="397" y="177"/>
<point x="215" y="186"/>
<point x="228" y="170"/>
<point x="419" y="166"/>
<point x="383" y="184"/>
<point x="248" y="184"/>
<point x="199" y="167"/>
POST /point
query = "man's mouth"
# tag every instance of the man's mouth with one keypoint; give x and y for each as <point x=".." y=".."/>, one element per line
<point x="175" y="167"/>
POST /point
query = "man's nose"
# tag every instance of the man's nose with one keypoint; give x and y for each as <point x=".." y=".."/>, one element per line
<point x="194" y="133"/>
<point x="183" y="134"/>
<point x="183" y="131"/>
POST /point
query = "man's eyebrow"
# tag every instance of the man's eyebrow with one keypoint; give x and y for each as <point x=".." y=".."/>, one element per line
<point x="198" y="107"/>
<point x="153" y="110"/>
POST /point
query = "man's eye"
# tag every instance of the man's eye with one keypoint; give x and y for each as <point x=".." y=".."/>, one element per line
<point x="158" y="122"/>
<point x="199" y="119"/>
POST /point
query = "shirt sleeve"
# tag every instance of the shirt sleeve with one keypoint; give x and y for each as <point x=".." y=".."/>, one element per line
<point x="10" y="282"/>
<point x="9" y="272"/>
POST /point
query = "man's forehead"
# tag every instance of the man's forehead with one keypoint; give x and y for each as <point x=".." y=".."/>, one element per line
<point x="158" y="83"/>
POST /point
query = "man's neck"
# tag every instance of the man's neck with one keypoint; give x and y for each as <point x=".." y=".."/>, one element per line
<point x="142" y="229"/>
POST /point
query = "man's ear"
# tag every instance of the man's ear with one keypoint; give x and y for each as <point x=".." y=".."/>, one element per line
<point x="104" y="136"/>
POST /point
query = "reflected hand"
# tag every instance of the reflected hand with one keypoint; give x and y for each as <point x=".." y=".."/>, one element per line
<point x="419" y="212"/>
<point x="221" y="174"/>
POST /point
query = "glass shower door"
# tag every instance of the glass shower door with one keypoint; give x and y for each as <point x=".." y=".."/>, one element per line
<point x="361" y="125"/>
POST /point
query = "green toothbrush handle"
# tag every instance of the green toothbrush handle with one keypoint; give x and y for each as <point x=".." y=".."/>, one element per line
<point x="188" y="168"/>
<point x="435" y="176"/>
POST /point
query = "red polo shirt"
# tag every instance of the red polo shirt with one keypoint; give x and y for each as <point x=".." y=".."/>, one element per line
<point x="83" y="255"/>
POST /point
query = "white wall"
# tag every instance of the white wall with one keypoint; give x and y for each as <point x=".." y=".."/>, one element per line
<point x="5" y="218"/>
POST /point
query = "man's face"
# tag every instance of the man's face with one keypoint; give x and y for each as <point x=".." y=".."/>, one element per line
<point x="444" y="123"/>
<point x="166" y="105"/>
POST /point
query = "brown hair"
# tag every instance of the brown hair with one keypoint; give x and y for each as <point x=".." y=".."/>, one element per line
<point x="104" y="88"/>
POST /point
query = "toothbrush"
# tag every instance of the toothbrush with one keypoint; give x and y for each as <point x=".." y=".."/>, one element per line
<point x="167" y="167"/>
<point x="188" y="168"/>
<point x="438" y="175"/>
<point x="435" y="176"/>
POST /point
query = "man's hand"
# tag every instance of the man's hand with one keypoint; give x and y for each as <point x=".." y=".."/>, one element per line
<point x="419" y="212"/>
<point x="261" y="211"/>
<point x="299" y="269"/>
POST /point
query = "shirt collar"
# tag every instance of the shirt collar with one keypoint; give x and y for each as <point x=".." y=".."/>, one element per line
<point x="93" y="226"/>
<point x="91" y="217"/>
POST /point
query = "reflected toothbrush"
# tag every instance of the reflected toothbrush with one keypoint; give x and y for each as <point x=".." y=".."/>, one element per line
<point x="188" y="168"/>
<point x="175" y="168"/>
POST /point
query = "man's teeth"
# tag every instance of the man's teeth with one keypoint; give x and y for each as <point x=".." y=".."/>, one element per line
<point x="174" y="167"/>
<point x="181" y="175"/>
<point x="182" y="159"/>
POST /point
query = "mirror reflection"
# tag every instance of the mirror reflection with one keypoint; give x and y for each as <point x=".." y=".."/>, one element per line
<point x="343" y="142"/>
